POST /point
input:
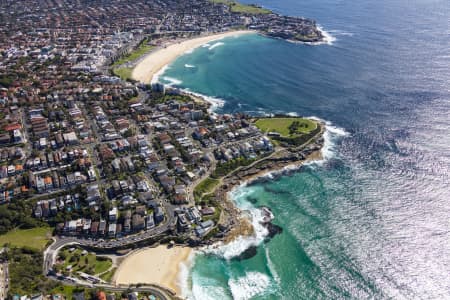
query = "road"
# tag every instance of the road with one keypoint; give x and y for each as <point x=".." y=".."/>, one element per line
<point x="158" y="291"/>
<point x="51" y="252"/>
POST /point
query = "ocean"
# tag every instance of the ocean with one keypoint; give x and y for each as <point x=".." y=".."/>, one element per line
<point x="372" y="219"/>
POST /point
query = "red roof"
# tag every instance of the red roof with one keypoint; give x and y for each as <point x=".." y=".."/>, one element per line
<point x="12" y="127"/>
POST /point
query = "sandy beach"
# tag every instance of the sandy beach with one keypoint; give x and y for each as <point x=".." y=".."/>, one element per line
<point x="159" y="265"/>
<point x="158" y="59"/>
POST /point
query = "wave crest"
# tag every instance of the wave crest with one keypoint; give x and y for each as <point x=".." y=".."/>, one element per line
<point x="216" y="45"/>
<point x="158" y="74"/>
<point x="172" y="81"/>
<point x="252" y="284"/>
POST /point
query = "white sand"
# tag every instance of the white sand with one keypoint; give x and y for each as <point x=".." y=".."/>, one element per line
<point x="158" y="265"/>
<point x="158" y="59"/>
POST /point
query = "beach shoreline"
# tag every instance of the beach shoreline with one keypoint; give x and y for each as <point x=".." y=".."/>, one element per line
<point x="141" y="267"/>
<point x="157" y="60"/>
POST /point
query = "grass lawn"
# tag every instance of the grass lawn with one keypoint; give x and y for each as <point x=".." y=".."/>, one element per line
<point x="243" y="8"/>
<point x="124" y="73"/>
<point x="204" y="187"/>
<point x="67" y="290"/>
<point x="141" y="50"/>
<point x="281" y="125"/>
<point x="108" y="275"/>
<point x="35" y="238"/>
<point x="89" y="263"/>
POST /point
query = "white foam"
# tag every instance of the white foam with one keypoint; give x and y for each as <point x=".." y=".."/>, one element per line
<point x="206" y="45"/>
<point x="215" y="102"/>
<point x="189" y="66"/>
<point x="252" y="284"/>
<point x="272" y="267"/>
<point x="206" y="292"/>
<point x="331" y="135"/>
<point x="242" y="243"/>
<point x="183" y="274"/>
<point x="216" y="45"/>
<point x="328" y="38"/>
<point x="292" y="114"/>
<point x="340" y="33"/>
<point x="172" y="81"/>
<point x="158" y="74"/>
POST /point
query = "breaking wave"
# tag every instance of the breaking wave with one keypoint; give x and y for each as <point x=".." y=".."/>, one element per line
<point x="172" y="81"/>
<point x="215" y="102"/>
<point x="242" y="243"/>
<point x="250" y="285"/>
<point x="189" y="66"/>
<point x="157" y="75"/>
<point x="216" y="45"/>
<point x="331" y="135"/>
<point x="340" y="33"/>
<point x="271" y="266"/>
<point x="329" y="39"/>
<point x="183" y="274"/>
<point x="254" y="283"/>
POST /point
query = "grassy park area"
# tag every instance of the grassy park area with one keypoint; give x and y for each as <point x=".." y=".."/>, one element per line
<point x="286" y="127"/>
<point x="243" y="8"/>
<point x="142" y="49"/>
<point x="75" y="260"/>
<point x="123" y="72"/>
<point x="204" y="187"/>
<point x="36" y="238"/>
<point x="288" y="131"/>
<point x="108" y="275"/>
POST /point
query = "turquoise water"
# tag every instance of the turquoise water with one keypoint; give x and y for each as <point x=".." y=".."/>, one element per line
<point x="372" y="219"/>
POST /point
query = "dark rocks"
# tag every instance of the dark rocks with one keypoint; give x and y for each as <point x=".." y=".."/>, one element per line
<point x="247" y="254"/>
<point x="273" y="231"/>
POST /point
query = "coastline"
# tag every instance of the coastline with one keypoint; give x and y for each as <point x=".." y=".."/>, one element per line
<point x="233" y="223"/>
<point x="157" y="60"/>
<point x="169" y="270"/>
<point x="158" y="265"/>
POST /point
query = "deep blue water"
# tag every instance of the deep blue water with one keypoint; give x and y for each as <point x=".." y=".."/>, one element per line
<point x="373" y="219"/>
